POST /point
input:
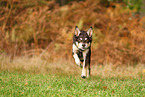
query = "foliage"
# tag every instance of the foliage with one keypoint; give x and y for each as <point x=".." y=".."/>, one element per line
<point x="131" y="4"/>
<point x="134" y="4"/>
<point x="64" y="2"/>
<point x="42" y="27"/>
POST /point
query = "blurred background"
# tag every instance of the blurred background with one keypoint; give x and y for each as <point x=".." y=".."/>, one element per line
<point x="45" y="28"/>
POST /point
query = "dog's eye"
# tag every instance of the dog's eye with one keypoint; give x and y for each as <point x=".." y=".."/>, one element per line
<point x="86" y="38"/>
<point x="81" y="39"/>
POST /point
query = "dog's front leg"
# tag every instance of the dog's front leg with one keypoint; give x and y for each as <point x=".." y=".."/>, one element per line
<point x="77" y="60"/>
<point x="84" y="69"/>
<point x="84" y="64"/>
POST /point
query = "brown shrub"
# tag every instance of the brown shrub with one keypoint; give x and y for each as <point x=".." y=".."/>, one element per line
<point x="46" y="29"/>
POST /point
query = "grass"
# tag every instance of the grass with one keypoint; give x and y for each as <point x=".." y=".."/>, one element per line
<point x="36" y="76"/>
<point x="24" y="84"/>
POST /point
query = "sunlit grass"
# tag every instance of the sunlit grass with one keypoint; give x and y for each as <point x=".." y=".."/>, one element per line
<point x="36" y="64"/>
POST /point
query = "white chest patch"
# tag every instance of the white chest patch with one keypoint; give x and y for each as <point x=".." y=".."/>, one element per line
<point x="75" y="49"/>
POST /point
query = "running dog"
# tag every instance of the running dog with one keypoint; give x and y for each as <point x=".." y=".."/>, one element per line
<point x="81" y="50"/>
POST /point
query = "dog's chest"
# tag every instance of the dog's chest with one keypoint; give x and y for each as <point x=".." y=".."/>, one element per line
<point x="80" y="55"/>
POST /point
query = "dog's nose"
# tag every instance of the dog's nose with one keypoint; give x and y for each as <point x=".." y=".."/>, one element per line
<point x="83" y="45"/>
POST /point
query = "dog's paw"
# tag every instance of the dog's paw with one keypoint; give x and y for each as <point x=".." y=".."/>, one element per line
<point x="83" y="76"/>
<point x="80" y="65"/>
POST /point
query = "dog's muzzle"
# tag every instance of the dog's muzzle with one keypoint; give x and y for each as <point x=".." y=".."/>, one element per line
<point x="83" y="46"/>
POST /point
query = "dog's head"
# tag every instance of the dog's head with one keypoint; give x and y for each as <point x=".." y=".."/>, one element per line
<point x="83" y="38"/>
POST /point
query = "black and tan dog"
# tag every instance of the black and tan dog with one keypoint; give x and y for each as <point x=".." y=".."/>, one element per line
<point x="82" y="49"/>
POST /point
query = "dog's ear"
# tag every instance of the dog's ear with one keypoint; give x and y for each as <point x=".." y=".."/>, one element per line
<point x="90" y="32"/>
<point x="77" y="31"/>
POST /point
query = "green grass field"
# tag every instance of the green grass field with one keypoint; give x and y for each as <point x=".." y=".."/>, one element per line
<point x="16" y="84"/>
<point x="35" y="76"/>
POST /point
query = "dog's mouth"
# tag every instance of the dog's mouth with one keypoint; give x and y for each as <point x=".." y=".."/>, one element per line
<point x="83" y="46"/>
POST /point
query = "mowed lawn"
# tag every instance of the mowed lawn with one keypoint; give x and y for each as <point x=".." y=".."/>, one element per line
<point x="49" y="85"/>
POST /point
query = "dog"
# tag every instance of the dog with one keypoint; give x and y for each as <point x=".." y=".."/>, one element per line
<point x="81" y="50"/>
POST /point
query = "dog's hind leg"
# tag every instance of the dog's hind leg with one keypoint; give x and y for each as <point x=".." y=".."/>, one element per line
<point x="88" y="59"/>
<point x="88" y="71"/>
